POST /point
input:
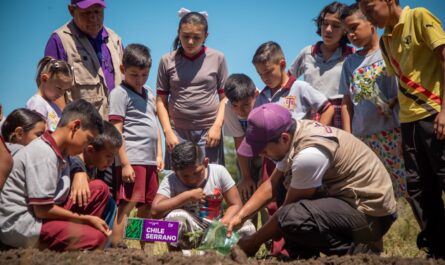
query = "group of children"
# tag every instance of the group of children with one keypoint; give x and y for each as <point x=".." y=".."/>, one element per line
<point x="54" y="197"/>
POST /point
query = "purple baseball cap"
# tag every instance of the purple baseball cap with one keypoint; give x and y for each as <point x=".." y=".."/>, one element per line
<point x="265" y="123"/>
<point x="84" y="4"/>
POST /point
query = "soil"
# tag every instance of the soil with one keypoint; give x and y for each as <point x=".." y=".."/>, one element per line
<point x="138" y="257"/>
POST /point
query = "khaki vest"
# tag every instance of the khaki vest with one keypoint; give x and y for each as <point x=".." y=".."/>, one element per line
<point x="356" y="174"/>
<point x="89" y="80"/>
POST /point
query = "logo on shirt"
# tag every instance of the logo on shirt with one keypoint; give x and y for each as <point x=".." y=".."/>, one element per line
<point x="408" y="40"/>
<point x="290" y="103"/>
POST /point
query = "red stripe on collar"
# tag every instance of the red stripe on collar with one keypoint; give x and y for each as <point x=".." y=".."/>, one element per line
<point x="48" y="138"/>
<point x="316" y="48"/>
<point x="196" y="56"/>
<point x="290" y="82"/>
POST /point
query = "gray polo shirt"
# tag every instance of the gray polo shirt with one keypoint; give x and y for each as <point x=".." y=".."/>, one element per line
<point x="193" y="85"/>
<point x="140" y="125"/>
<point x="369" y="72"/>
<point x="297" y="96"/>
<point x="40" y="176"/>
<point x="321" y="74"/>
<point x="14" y="148"/>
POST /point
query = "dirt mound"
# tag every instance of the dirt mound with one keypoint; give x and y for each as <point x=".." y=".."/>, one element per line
<point x="138" y="257"/>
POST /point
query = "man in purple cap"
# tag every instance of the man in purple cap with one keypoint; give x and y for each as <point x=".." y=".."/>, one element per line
<point x="339" y="196"/>
<point x="94" y="51"/>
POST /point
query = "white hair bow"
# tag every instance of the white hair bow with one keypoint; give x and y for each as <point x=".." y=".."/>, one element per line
<point x="184" y="11"/>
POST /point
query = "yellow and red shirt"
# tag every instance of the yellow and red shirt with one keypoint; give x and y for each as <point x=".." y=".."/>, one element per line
<point x="409" y="54"/>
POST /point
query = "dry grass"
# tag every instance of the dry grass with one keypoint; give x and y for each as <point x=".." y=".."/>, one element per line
<point x="401" y="238"/>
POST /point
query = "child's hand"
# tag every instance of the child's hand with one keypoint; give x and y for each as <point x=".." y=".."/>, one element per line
<point x="197" y="195"/>
<point x="159" y="163"/>
<point x="171" y="140"/>
<point x="246" y="188"/>
<point x="382" y="107"/>
<point x="128" y="174"/>
<point x="213" y="136"/>
<point x="99" y="224"/>
<point x="439" y="125"/>
<point x="80" y="190"/>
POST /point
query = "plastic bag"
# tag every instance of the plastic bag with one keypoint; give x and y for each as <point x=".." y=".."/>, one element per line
<point x="216" y="239"/>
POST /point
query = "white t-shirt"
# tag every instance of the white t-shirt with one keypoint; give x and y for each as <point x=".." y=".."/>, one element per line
<point x="49" y="110"/>
<point x="232" y="123"/>
<point x="218" y="178"/>
<point x="308" y="168"/>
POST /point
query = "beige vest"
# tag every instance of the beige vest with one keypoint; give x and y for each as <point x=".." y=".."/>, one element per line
<point x="356" y="174"/>
<point x="89" y="80"/>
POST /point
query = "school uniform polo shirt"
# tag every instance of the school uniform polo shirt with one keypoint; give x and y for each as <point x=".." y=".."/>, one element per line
<point x="40" y="176"/>
<point x="140" y="127"/>
<point x="409" y="53"/>
<point x="296" y="96"/>
<point x="13" y="148"/>
<point x="323" y="75"/>
<point x="193" y="84"/>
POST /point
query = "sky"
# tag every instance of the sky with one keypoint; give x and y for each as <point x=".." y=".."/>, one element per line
<point x="236" y="28"/>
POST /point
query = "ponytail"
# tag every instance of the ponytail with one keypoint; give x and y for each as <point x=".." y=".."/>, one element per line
<point x="52" y="66"/>
<point x="25" y="118"/>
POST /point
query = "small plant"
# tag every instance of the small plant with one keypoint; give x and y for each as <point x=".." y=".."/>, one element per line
<point x="194" y="237"/>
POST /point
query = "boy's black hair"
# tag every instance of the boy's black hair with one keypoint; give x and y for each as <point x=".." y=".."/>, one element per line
<point x="136" y="55"/>
<point x="190" y="18"/>
<point x="186" y="154"/>
<point x="80" y="109"/>
<point x="110" y="135"/>
<point x="335" y="8"/>
<point x="268" y="52"/>
<point x="238" y="87"/>
<point x="21" y="117"/>
<point x="396" y="1"/>
<point x="351" y="10"/>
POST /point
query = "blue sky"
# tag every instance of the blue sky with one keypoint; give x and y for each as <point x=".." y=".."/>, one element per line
<point x="236" y="27"/>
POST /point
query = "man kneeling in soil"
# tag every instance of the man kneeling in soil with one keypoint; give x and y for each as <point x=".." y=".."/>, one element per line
<point x="339" y="195"/>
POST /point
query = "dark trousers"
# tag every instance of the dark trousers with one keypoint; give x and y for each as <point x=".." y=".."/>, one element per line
<point x="330" y="226"/>
<point x="425" y="171"/>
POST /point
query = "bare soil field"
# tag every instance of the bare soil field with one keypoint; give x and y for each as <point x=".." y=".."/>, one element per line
<point x="139" y="257"/>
